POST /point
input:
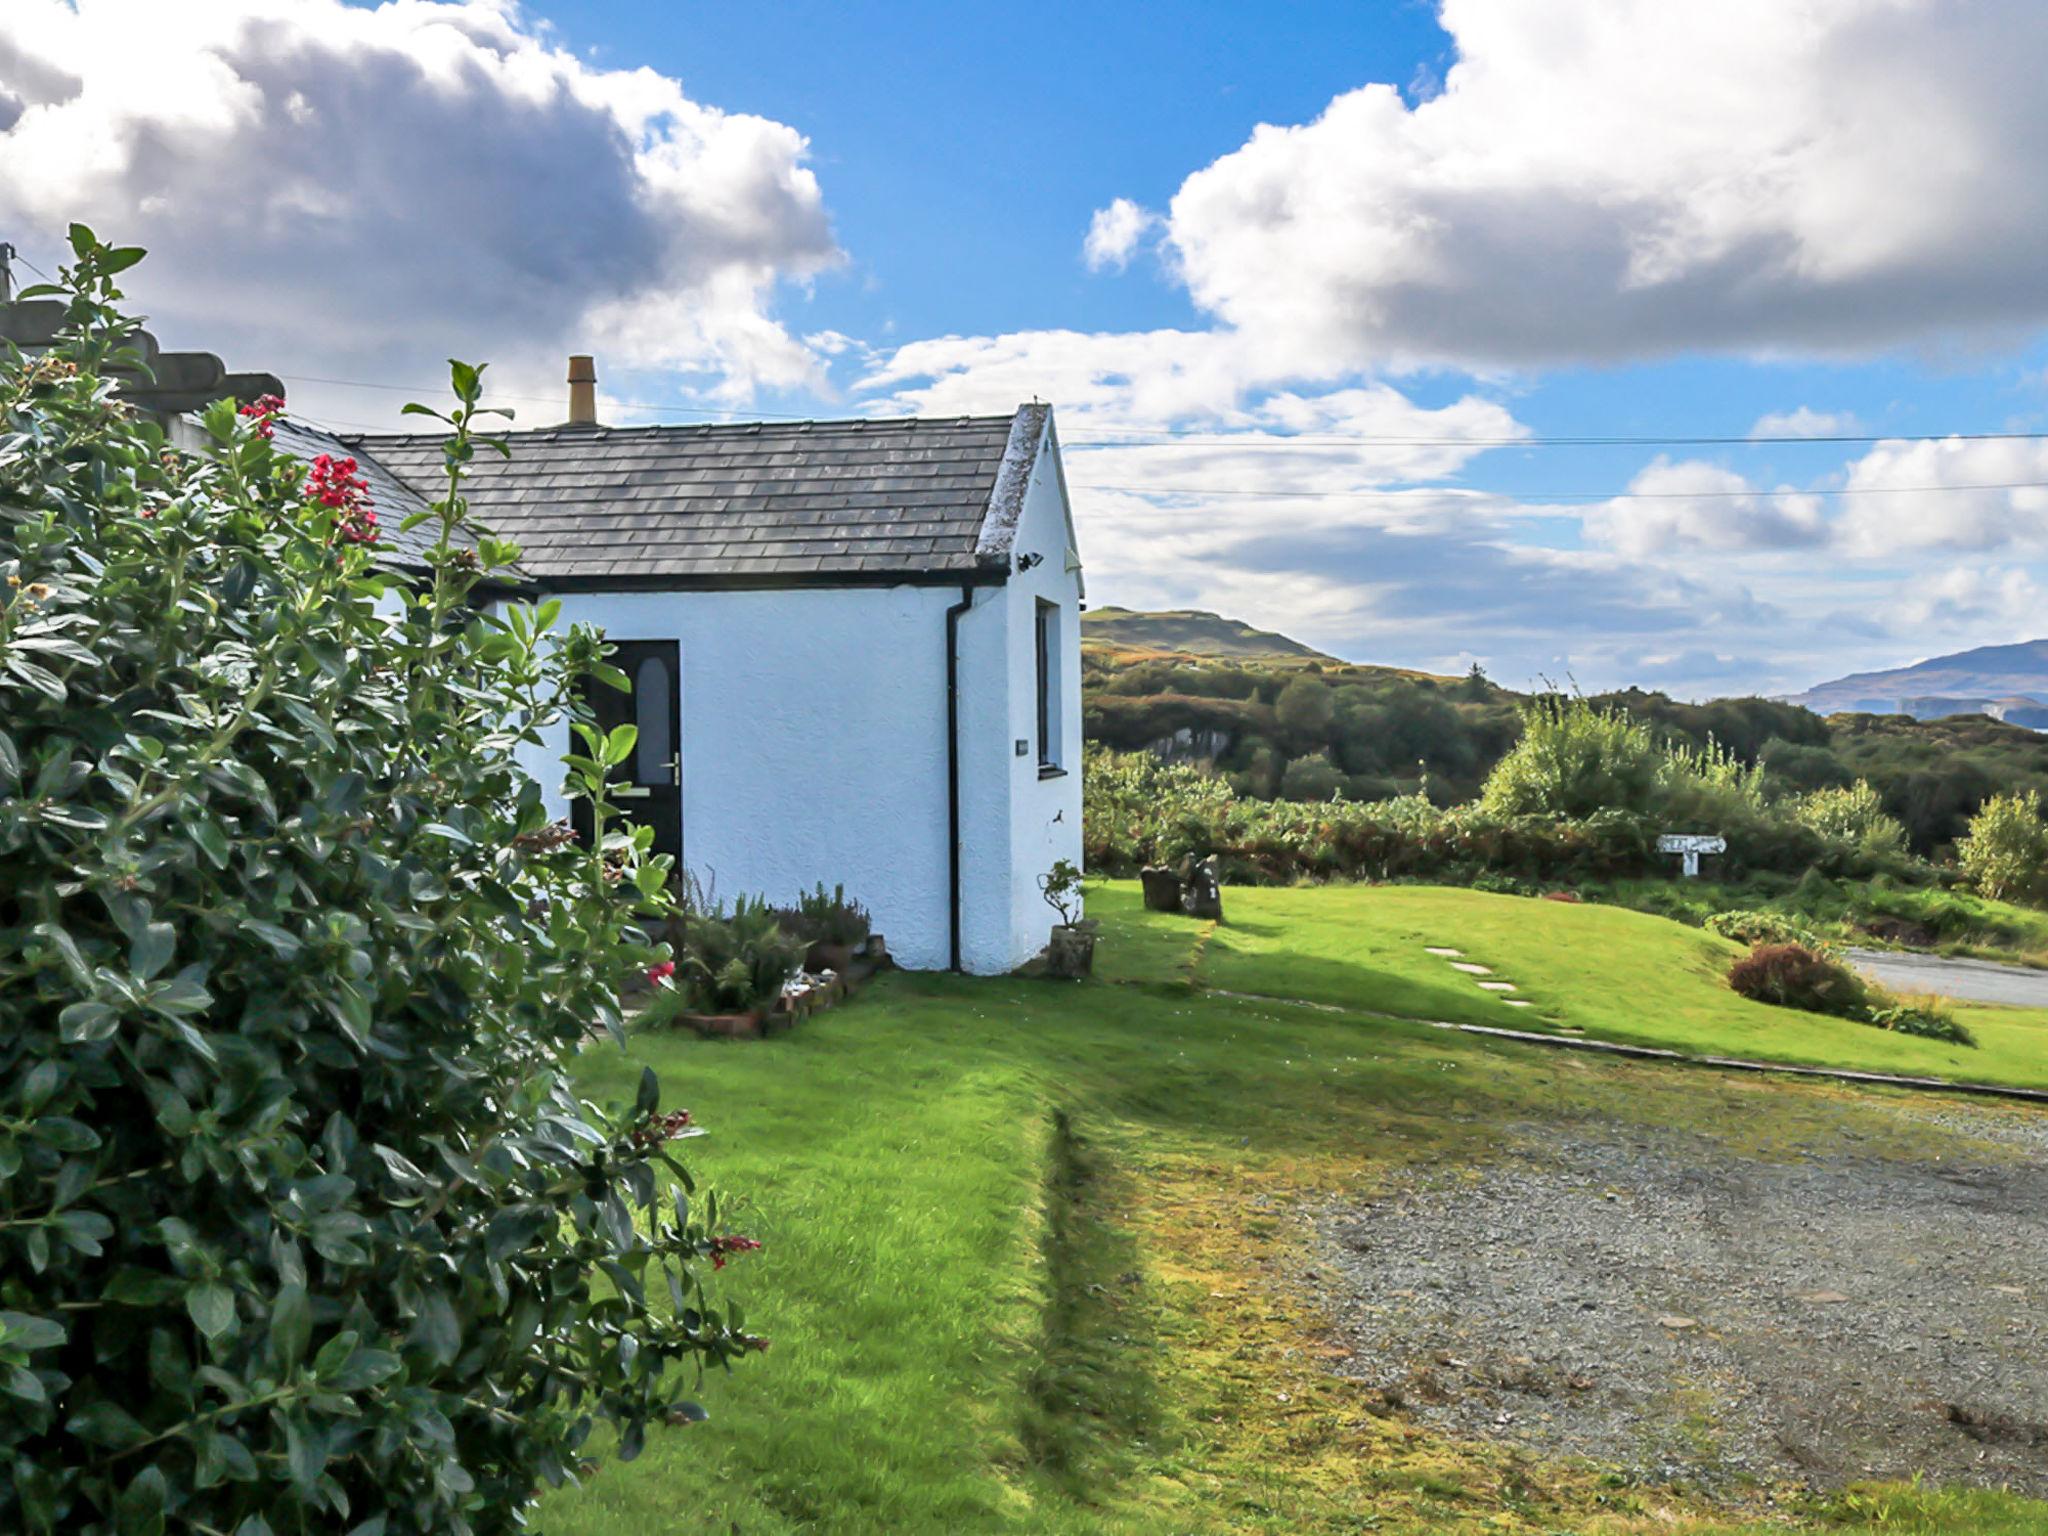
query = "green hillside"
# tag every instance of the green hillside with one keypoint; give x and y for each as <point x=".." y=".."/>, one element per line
<point x="1189" y="631"/>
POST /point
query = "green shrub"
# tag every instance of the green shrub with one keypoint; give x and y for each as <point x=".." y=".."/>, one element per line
<point x="304" y="1227"/>
<point x="1574" y="759"/>
<point x="826" y="917"/>
<point x="1854" y="814"/>
<point x="1753" y="928"/>
<point x="1313" y="777"/>
<point x="2006" y="849"/>
<point x="736" y="961"/>
<point x="1925" y="1020"/>
<point x="1793" y="976"/>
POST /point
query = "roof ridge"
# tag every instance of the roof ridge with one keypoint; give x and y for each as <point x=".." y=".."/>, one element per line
<point x="736" y="428"/>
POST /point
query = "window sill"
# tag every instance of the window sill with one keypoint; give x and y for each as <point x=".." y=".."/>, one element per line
<point x="1051" y="771"/>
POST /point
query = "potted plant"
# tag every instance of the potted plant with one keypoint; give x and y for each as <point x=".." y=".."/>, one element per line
<point x="1071" y="952"/>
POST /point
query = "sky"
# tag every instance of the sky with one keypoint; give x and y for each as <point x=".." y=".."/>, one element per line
<point x="1609" y="341"/>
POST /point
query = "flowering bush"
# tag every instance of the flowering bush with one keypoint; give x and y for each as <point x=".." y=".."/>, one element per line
<point x="301" y="1224"/>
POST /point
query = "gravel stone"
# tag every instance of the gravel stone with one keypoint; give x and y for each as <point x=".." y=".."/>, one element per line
<point x="1655" y="1302"/>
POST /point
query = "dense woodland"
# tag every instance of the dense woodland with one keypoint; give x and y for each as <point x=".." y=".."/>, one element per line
<point x="1306" y="729"/>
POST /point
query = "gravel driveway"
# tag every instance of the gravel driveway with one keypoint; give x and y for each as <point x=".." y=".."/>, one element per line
<point x="1979" y="981"/>
<point x="1655" y="1302"/>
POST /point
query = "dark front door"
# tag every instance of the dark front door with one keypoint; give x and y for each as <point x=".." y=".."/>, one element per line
<point x="647" y="787"/>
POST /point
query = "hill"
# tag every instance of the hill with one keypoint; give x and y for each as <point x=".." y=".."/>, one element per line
<point x="2009" y="681"/>
<point x="1189" y="632"/>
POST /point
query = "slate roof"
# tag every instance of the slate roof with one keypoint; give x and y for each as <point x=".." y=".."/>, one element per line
<point x="392" y="499"/>
<point x="760" y="503"/>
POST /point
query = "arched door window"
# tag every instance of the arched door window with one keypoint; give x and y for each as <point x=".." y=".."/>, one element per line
<point x="651" y="713"/>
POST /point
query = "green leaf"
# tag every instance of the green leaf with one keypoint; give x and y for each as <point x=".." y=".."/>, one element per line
<point x="107" y="1424"/>
<point x="81" y="1023"/>
<point x="291" y="1326"/>
<point x="23" y="1330"/>
<point x="436" y="1331"/>
<point x="133" y="1286"/>
<point x="152" y="949"/>
<point x="212" y="1308"/>
<point x="283" y="943"/>
<point x="18" y="1381"/>
<point x="618" y="746"/>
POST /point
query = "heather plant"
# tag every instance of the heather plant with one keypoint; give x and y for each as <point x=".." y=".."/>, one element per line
<point x="2005" y="852"/>
<point x="1793" y="976"/>
<point x="302" y="1226"/>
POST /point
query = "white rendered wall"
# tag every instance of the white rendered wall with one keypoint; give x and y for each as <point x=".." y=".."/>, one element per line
<point x="813" y="744"/>
<point x="1044" y="814"/>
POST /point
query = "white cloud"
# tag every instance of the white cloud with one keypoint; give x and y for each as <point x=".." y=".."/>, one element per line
<point x="1987" y="495"/>
<point x="353" y="192"/>
<point x="1678" y="507"/>
<point x="1634" y="178"/>
<point x="1806" y="422"/>
<point x="1114" y="234"/>
<point x="1998" y="603"/>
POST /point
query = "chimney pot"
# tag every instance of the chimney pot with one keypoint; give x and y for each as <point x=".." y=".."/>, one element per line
<point x="582" y="390"/>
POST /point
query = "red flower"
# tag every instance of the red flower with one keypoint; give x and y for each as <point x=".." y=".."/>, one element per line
<point x="265" y="409"/>
<point x="660" y="971"/>
<point x="721" y="1246"/>
<point x="334" y="483"/>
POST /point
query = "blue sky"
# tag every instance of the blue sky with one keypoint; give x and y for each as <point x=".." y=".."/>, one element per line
<point x="1290" y="274"/>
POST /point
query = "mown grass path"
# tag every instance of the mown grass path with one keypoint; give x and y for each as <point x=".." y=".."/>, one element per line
<point x="1034" y="1249"/>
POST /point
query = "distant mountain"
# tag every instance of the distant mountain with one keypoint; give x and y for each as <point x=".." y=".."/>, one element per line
<point x="2009" y="681"/>
<point x="1190" y="632"/>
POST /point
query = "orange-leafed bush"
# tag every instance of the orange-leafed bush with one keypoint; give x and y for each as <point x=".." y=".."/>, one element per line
<point x="1793" y="976"/>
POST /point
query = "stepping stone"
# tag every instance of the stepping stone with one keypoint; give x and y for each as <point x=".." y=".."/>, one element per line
<point x="1497" y="986"/>
<point x="1470" y="969"/>
<point x="1677" y="1324"/>
<point x="1441" y="952"/>
<point x="1518" y="1002"/>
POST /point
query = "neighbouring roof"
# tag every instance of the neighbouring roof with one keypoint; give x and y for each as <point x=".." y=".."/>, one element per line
<point x="168" y="383"/>
<point x="764" y="503"/>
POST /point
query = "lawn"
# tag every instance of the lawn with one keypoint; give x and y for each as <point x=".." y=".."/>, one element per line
<point x="1605" y="971"/>
<point x="1033" y="1248"/>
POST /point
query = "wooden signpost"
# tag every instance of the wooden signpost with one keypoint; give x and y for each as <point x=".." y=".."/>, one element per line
<point x="1689" y="848"/>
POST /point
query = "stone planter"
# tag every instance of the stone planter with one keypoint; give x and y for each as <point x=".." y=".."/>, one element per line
<point x="728" y="1026"/>
<point x="1071" y="953"/>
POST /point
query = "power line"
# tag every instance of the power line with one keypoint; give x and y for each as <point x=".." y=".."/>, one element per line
<point x="1465" y="493"/>
<point x="1243" y="445"/>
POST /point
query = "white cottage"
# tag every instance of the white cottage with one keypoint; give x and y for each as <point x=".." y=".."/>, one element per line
<point x="854" y="646"/>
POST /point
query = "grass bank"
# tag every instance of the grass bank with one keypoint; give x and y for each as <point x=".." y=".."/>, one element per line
<point x="1607" y="972"/>
<point x="1033" y="1251"/>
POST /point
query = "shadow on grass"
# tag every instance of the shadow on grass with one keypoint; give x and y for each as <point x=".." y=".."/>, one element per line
<point x="1089" y="1399"/>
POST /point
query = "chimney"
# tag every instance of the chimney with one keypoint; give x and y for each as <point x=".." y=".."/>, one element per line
<point x="582" y="391"/>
